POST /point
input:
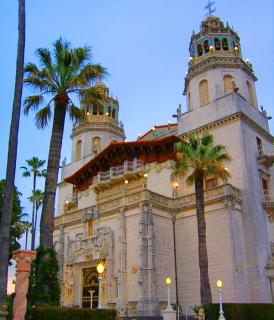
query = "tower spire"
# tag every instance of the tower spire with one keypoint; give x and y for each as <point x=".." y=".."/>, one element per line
<point x="210" y="11"/>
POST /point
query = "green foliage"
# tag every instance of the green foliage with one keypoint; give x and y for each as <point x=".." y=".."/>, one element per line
<point x="233" y="311"/>
<point x="44" y="287"/>
<point x="17" y="224"/>
<point x="57" y="313"/>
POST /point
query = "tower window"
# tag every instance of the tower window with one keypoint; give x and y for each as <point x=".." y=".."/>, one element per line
<point x="206" y="46"/>
<point x="260" y="146"/>
<point x="228" y="83"/>
<point x="200" y="50"/>
<point x="250" y="93"/>
<point x="109" y="111"/>
<point x="78" y="150"/>
<point x="224" y="44"/>
<point x="217" y="44"/>
<point x="96" y="145"/>
<point x="113" y="113"/>
<point x="204" y="93"/>
<point x="94" y="111"/>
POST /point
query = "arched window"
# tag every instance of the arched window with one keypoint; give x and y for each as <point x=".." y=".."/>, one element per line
<point x="250" y="93"/>
<point x="109" y="111"/>
<point x="94" y="111"/>
<point x="224" y="44"/>
<point x="228" y="83"/>
<point x="206" y="46"/>
<point x="199" y="50"/>
<point x="204" y="93"/>
<point x="78" y="150"/>
<point x="96" y="145"/>
<point x="189" y="102"/>
<point x="217" y="44"/>
<point x="113" y="113"/>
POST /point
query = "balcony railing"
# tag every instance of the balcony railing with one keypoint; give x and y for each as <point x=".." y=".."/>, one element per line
<point x="71" y="200"/>
<point x="266" y="155"/>
<point x="118" y="172"/>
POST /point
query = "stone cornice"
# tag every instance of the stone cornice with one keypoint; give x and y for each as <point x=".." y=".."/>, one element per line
<point x="229" y="119"/>
<point x="226" y="194"/>
<point x="206" y="63"/>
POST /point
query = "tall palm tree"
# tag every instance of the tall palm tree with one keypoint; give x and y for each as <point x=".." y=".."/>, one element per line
<point x="198" y="160"/>
<point x="12" y="156"/>
<point x="37" y="198"/>
<point x="63" y="72"/>
<point x="34" y="165"/>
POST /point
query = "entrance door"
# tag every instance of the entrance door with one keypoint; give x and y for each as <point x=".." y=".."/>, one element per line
<point x="90" y="283"/>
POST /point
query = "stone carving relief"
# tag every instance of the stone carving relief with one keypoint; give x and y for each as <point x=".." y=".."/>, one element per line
<point x="68" y="297"/>
<point x="96" y="247"/>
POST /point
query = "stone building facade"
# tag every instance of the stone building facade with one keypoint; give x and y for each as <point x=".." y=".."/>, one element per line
<point x="117" y="204"/>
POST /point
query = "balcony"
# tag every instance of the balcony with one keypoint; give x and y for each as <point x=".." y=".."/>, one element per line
<point x="119" y="173"/>
<point x="71" y="201"/>
<point x="266" y="156"/>
<point x="268" y="204"/>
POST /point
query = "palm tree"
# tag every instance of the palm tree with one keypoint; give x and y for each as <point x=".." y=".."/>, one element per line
<point x="36" y="198"/>
<point x="64" y="72"/>
<point x="12" y="156"/>
<point x="34" y="165"/>
<point x="203" y="160"/>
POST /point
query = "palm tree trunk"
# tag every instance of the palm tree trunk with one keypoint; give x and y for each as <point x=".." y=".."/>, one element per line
<point x="12" y="156"/>
<point x="33" y="213"/>
<point x="47" y="216"/>
<point x="205" y="289"/>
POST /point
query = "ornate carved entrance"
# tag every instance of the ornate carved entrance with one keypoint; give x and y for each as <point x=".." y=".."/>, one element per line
<point x="90" y="287"/>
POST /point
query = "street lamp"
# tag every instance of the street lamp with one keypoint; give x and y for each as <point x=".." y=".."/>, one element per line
<point x="219" y="285"/>
<point x="100" y="269"/>
<point x="169" y="307"/>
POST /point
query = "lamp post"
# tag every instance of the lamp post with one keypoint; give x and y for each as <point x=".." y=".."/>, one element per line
<point x="169" y="307"/>
<point x="100" y="269"/>
<point x="219" y="285"/>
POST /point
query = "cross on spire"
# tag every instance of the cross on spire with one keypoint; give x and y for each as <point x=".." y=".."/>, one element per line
<point x="209" y="5"/>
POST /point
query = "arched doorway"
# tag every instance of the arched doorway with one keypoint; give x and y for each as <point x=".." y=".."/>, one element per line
<point x="90" y="283"/>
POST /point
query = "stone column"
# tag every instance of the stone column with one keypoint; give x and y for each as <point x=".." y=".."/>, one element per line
<point x="23" y="259"/>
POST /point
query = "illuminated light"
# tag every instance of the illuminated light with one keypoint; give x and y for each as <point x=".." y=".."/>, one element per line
<point x="211" y="48"/>
<point x="126" y="181"/>
<point x="191" y="58"/>
<point x="67" y="202"/>
<point x="153" y="128"/>
<point x="175" y="185"/>
<point x="219" y="284"/>
<point x="87" y="113"/>
<point x="168" y="281"/>
<point x="236" y="48"/>
<point x="139" y="135"/>
<point x="106" y="113"/>
<point x="146" y="175"/>
<point x="100" y="268"/>
<point x="247" y="60"/>
<point x="168" y="122"/>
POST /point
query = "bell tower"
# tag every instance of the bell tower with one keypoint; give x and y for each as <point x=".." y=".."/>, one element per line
<point x="221" y="99"/>
<point x="216" y="67"/>
<point x="99" y="130"/>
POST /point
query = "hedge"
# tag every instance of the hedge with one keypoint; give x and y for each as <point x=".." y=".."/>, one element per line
<point x="56" y="313"/>
<point x="234" y="311"/>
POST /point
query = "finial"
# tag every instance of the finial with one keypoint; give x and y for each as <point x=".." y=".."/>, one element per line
<point x="210" y="11"/>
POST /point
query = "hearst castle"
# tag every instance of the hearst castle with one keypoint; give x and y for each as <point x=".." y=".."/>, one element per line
<point x="117" y="204"/>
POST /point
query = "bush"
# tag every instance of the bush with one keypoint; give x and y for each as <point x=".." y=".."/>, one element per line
<point x="235" y="311"/>
<point x="44" y="287"/>
<point x="56" y="313"/>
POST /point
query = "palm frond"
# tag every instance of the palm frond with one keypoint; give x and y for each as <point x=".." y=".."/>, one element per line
<point x="32" y="103"/>
<point x="42" y="117"/>
<point x="76" y="113"/>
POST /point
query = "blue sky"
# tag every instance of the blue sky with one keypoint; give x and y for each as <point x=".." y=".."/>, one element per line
<point x="143" y="44"/>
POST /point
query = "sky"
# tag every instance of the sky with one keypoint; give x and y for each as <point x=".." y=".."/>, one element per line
<point x="144" y="46"/>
